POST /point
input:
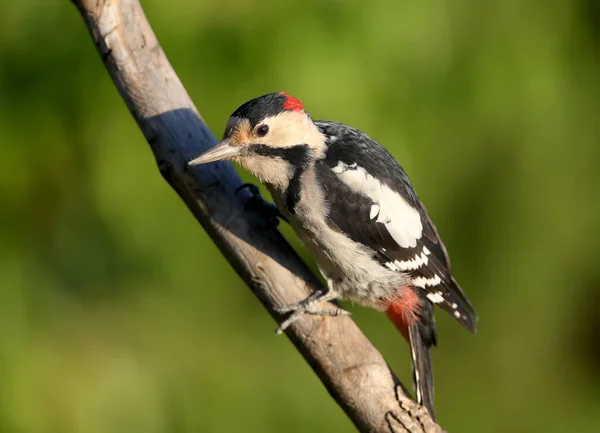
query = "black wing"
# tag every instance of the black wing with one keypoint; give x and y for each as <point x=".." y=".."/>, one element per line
<point x="355" y="212"/>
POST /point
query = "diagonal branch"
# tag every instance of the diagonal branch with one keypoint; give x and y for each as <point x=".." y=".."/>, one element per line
<point x="354" y="372"/>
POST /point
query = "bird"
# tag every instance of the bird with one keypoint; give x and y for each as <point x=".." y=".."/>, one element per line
<point x="353" y="206"/>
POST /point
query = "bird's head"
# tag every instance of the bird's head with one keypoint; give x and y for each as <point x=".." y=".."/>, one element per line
<point x="270" y="136"/>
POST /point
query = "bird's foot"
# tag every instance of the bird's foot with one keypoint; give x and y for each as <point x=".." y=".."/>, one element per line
<point x="256" y="203"/>
<point x="309" y="306"/>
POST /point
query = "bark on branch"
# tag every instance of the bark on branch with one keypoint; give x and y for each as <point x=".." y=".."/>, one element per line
<point x="354" y="372"/>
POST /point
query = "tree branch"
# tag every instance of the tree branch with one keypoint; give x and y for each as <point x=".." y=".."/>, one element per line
<point x="354" y="372"/>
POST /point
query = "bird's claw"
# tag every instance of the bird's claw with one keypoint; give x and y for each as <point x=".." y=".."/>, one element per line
<point x="256" y="203"/>
<point x="282" y="309"/>
<point x="254" y="190"/>
<point x="308" y="306"/>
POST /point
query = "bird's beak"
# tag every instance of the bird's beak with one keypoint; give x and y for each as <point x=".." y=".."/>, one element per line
<point x="222" y="150"/>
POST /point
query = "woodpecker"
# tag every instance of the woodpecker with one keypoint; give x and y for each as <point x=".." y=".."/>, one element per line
<point x="353" y="206"/>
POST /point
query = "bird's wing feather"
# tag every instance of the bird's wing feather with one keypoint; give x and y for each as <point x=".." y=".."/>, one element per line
<point x="385" y="214"/>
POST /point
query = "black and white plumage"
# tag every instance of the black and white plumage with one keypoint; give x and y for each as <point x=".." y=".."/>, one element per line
<point x="387" y="215"/>
<point x="353" y="206"/>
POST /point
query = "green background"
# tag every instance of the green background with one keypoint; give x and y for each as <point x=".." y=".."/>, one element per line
<point x="118" y="314"/>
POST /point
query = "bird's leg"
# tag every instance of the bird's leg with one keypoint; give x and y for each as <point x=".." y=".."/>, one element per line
<point x="320" y="295"/>
<point x="258" y="204"/>
<point x="309" y="306"/>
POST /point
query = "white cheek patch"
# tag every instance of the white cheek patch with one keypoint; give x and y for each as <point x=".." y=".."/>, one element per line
<point x="402" y="221"/>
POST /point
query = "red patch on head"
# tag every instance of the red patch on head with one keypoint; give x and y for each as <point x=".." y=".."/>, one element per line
<point x="402" y="311"/>
<point x="291" y="103"/>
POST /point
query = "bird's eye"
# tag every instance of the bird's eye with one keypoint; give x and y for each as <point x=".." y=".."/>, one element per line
<point x="262" y="130"/>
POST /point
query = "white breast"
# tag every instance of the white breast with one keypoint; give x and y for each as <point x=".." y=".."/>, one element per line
<point x="348" y="265"/>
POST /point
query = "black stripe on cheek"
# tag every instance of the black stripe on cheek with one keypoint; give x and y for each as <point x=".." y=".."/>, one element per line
<point x="296" y="155"/>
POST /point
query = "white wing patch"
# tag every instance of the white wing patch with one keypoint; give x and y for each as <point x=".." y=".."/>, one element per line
<point x="374" y="211"/>
<point x="408" y="265"/>
<point x="339" y="168"/>
<point x="426" y="282"/>
<point x="435" y="297"/>
<point x="411" y="265"/>
<point x="392" y="266"/>
<point x="438" y="298"/>
<point x="402" y="221"/>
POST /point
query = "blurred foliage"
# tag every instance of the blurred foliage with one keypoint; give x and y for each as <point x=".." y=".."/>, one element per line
<point x="118" y="314"/>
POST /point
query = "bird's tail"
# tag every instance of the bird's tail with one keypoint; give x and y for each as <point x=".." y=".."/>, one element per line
<point x="420" y="332"/>
<point x="422" y="369"/>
